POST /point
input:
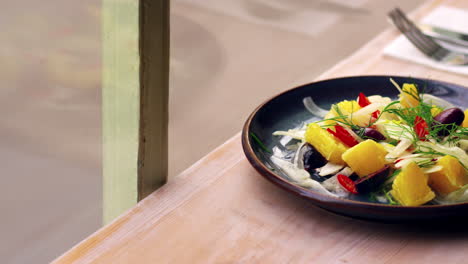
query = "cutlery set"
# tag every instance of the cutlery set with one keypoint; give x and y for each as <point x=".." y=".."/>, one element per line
<point x="424" y="37"/>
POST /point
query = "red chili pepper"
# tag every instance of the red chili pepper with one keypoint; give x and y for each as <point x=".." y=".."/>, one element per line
<point x="343" y="135"/>
<point x="421" y="128"/>
<point x="332" y="132"/>
<point x="347" y="183"/>
<point x="363" y="100"/>
<point x="376" y="114"/>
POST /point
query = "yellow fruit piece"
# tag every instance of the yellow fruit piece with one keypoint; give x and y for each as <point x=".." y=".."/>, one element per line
<point x="465" y="121"/>
<point x="435" y="110"/>
<point x="325" y="143"/>
<point x="451" y="178"/>
<point x="345" y="108"/>
<point x="410" y="95"/>
<point x="410" y="186"/>
<point x="330" y="114"/>
<point x="366" y="157"/>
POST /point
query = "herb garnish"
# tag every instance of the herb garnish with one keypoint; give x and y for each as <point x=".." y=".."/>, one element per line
<point x="259" y="142"/>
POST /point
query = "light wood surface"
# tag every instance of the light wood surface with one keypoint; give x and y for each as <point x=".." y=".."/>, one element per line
<point x="135" y="101"/>
<point x="221" y="211"/>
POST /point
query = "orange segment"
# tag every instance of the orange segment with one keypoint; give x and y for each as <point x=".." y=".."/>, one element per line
<point x="410" y="187"/>
<point x="366" y="157"/>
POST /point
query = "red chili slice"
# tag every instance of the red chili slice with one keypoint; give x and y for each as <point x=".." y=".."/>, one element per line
<point x="350" y="140"/>
<point x="376" y="114"/>
<point x="347" y="183"/>
<point x="343" y="135"/>
<point x="421" y="128"/>
<point x="332" y="132"/>
<point x="363" y="100"/>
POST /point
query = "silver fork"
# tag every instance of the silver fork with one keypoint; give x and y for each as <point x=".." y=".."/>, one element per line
<point x="425" y="43"/>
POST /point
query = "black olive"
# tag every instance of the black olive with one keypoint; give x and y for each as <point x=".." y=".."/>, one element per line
<point x="312" y="158"/>
<point x="451" y="117"/>
<point x="373" y="134"/>
<point x="372" y="181"/>
<point x="353" y="177"/>
<point x="370" y="133"/>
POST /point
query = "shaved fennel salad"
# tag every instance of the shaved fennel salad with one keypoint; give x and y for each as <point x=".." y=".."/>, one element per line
<point x="411" y="151"/>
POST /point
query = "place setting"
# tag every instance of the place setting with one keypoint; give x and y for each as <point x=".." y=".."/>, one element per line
<point x="356" y="147"/>
<point x="439" y="40"/>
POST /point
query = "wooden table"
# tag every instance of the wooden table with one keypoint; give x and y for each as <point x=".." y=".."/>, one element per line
<point x="221" y="211"/>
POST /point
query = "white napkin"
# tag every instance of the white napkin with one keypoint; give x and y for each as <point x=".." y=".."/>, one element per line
<point x="445" y="17"/>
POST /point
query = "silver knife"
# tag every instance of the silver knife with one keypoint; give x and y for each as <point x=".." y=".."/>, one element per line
<point x="445" y="34"/>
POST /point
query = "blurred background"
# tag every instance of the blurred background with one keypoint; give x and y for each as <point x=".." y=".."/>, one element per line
<point x="227" y="56"/>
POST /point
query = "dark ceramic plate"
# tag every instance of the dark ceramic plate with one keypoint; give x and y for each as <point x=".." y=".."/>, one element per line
<point x="286" y="111"/>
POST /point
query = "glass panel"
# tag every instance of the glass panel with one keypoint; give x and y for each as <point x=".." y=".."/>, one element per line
<point x="50" y="127"/>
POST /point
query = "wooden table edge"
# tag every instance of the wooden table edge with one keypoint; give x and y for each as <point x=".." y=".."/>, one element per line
<point x="229" y="152"/>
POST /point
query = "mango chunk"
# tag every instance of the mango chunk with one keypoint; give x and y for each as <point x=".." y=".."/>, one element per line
<point x="366" y="157"/>
<point x="325" y="143"/>
<point x="410" y="186"/>
<point x="451" y="178"/>
<point x="410" y="95"/>
<point x="345" y="107"/>
<point x="465" y="121"/>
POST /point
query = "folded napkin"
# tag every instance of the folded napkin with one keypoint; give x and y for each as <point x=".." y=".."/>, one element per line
<point x="445" y="17"/>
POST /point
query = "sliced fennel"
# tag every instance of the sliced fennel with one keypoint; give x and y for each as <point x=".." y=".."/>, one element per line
<point x="314" y="108"/>
<point x="300" y="176"/>
<point x="463" y="144"/>
<point x="329" y="168"/>
<point x="456" y="152"/>
<point x="298" y="160"/>
<point x="362" y="116"/>
<point x="294" y="133"/>
<point x="432" y="169"/>
<point x="458" y="196"/>
<point x="399" y="149"/>
<point x="379" y="99"/>
<point x="396" y="130"/>
<point x="433" y="100"/>
<point x="334" y="186"/>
